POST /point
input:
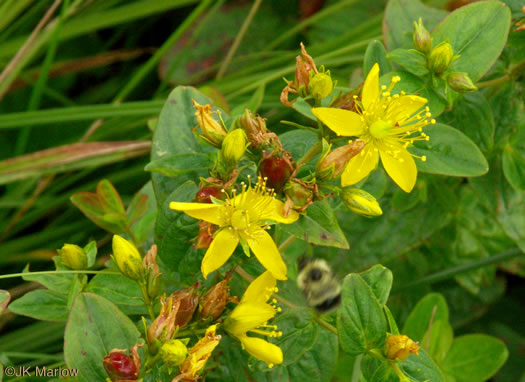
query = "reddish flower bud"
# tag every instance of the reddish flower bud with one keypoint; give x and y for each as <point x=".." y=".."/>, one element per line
<point x="120" y="366"/>
<point x="189" y="301"/>
<point x="214" y="301"/>
<point x="206" y="192"/>
<point x="277" y="171"/>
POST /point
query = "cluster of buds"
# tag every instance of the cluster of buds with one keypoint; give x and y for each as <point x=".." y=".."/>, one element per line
<point x="176" y="312"/>
<point x="213" y="131"/>
<point x="121" y="367"/>
<point x="440" y="58"/>
<point x="398" y="347"/>
<point x="308" y="80"/>
<point x="73" y="256"/>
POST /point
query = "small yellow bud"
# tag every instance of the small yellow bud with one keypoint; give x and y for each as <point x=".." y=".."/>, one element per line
<point x="440" y="58"/>
<point x="73" y="256"/>
<point x="461" y="82"/>
<point x="127" y="257"/>
<point x="173" y="352"/>
<point x="421" y="37"/>
<point x="214" y="132"/>
<point x="234" y="146"/>
<point x="320" y="85"/>
<point x="361" y="202"/>
<point x="399" y="347"/>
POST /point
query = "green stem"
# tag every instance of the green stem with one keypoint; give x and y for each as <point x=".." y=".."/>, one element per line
<point x="494" y="82"/>
<point x="325" y="324"/>
<point x="238" y="39"/>
<point x="451" y="272"/>
<point x="12" y="275"/>
<point x="147" y="301"/>
<point x="299" y="126"/>
<point x="285" y="244"/>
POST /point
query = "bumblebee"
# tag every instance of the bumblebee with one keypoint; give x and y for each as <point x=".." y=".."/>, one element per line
<point x="319" y="284"/>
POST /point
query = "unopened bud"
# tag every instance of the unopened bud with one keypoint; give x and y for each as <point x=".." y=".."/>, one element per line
<point x="173" y="352"/>
<point x="399" y="347"/>
<point x="189" y="301"/>
<point x="120" y="366"/>
<point x="163" y="327"/>
<point x="234" y="146"/>
<point x="299" y="194"/>
<point x="214" y="301"/>
<point x="440" y="57"/>
<point x="254" y="127"/>
<point x="333" y="164"/>
<point x="127" y="257"/>
<point x="153" y="279"/>
<point x="277" y="171"/>
<point x="320" y="85"/>
<point x="214" y="131"/>
<point x="73" y="256"/>
<point x="421" y="37"/>
<point x="361" y="202"/>
<point x="461" y="82"/>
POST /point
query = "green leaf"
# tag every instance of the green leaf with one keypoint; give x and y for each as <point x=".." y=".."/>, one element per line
<point x="398" y="24"/>
<point x="361" y="323"/>
<point x="477" y="32"/>
<point x="422" y="368"/>
<point x="174" y="230"/>
<point x="473" y="116"/>
<point x="5" y="297"/>
<point x="109" y="198"/>
<point x="142" y="213"/>
<point x="179" y="164"/>
<point x="253" y="103"/>
<point x="41" y="304"/>
<point x="411" y="60"/>
<point x="437" y="340"/>
<point x="431" y="308"/>
<point x="377" y="370"/>
<point x="376" y="53"/>
<point x="90" y="205"/>
<point x="120" y="290"/>
<point x="319" y="226"/>
<point x="412" y="84"/>
<point x="91" y="252"/>
<point x="298" y="142"/>
<point x="379" y="279"/>
<point x="304" y="108"/>
<point x="299" y="334"/>
<point x="95" y="327"/>
<point x="514" y="167"/>
<point x="449" y="152"/>
<point x="475" y="358"/>
<point x="392" y="325"/>
<point x="174" y="136"/>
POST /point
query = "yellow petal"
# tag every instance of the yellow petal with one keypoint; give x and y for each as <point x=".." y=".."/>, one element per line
<point x="401" y="168"/>
<point x="274" y="211"/>
<point x="202" y="211"/>
<point x="405" y="107"/>
<point x="371" y="87"/>
<point x="220" y="250"/>
<point x="263" y="350"/>
<point x="260" y="289"/>
<point x="266" y="251"/>
<point x="248" y="316"/>
<point x="360" y="166"/>
<point x="342" y="122"/>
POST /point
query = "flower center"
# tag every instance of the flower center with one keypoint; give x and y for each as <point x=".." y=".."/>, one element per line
<point x="240" y="220"/>
<point x="379" y="129"/>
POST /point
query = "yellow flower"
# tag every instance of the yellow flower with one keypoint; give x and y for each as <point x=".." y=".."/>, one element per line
<point x="242" y="218"/>
<point x="252" y="314"/>
<point x="386" y="123"/>
<point x="198" y="356"/>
